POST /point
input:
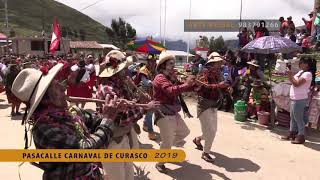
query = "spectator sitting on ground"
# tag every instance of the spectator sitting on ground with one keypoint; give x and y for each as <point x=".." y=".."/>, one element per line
<point x="258" y="100"/>
<point x="253" y="73"/>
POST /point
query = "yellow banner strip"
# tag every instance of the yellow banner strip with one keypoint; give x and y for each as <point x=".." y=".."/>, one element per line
<point x="92" y="155"/>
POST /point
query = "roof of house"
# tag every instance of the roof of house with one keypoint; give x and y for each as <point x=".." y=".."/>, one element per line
<point x="3" y="36"/>
<point x="179" y="53"/>
<point x="110" y="46"/>
<point x="200" y="49"/>
<point x="85" y="45"/>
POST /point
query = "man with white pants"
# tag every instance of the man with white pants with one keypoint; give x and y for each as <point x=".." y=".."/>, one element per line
<point x="166" y="90"/>
<point x="121" y="170"/>
<point x="114" y="79"/>
<point x="209" y="96"/>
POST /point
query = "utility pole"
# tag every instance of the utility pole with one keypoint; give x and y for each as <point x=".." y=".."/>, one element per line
<point x="160" y="21"/>
<point x="7" y="22"/>
<point x="43" y="31"/>
<point x="165" y="22"/>
<point x="188" y="47"/>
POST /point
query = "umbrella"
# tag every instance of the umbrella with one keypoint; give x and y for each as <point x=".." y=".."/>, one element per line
<point x="271" y="44"/>
<point x="146" y="46"/>
<point x="268" y="45"/>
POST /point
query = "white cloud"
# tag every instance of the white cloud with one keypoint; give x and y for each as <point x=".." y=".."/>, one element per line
<point x="144" y="15"/>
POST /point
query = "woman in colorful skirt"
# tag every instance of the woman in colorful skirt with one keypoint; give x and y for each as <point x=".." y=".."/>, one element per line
<point x="77" y="82"/>
<point x="12" y="73"/>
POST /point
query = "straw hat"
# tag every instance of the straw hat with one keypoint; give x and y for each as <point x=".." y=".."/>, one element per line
<point x="30" y="85"/>
<point x="253" y="62"/>
<point x="214" y="57"/>
<point x="115" y="61"/>
<point x="164" y="56"/>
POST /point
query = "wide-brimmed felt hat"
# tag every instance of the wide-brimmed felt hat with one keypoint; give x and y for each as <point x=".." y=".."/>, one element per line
<point x="115" y="61"/>
<point x="257" y="83"/>
<point x="164" y="56"/>
<point x="253" y="63"/>
<point x="30" y="85"/>
<point x="214" y="57"/>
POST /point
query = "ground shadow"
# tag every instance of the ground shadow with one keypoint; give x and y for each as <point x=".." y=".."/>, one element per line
<point x="4" y="106"/>
<point x="16" y="118"/>
<point x="312" y="135"/>
<point x="312" y="145"/>
<point x="188" y="171"/>
<point x="235" y="164"/>
<point x="145" y="146"/>
<point x="248" y="125"/>
<point x="140" y="173"/>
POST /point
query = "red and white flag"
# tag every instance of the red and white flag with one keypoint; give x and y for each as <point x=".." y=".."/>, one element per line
<point x="55" y="40"/>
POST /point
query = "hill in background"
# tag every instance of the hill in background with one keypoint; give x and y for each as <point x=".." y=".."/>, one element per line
<point x="26" y="17"/>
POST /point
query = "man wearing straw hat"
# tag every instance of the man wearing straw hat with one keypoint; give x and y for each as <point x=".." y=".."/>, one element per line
<point x="56" y="128"/>
<point x="144" y="79"/>
<point x="166" y="90"/>
<point x="208" y="100"/>
<point x="253" y="73"/>
<point x="114" y="82"/>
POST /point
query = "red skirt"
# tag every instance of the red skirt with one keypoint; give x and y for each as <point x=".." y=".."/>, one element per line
<point x="12" y="99"/>
<point x="79" y="90"/>
<point x="2" y="89"/>
<point x="93" y="80"/>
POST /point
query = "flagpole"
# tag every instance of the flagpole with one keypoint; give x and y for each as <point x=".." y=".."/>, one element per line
<point x="188" y="50"/>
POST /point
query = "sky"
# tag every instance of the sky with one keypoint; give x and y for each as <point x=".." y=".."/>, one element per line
<point x="144" y="15"/>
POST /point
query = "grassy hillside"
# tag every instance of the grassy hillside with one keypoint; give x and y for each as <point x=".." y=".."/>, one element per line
<point x="25" y="18"/>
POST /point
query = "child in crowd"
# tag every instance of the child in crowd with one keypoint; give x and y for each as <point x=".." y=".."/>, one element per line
<point x="258" y="100"/>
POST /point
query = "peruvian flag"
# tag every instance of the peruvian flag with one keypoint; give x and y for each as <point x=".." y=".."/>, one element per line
<point x="55" y="40"/>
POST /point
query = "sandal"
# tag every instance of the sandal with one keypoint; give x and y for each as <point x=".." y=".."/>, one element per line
<point x="145" y="128"/>
<point x="161" y="168"/>
<point x="197" y="142"/>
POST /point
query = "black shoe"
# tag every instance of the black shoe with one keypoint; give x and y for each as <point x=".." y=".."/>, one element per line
<point x="207" y="157"/>
<point x="197" y="142"/>
<point x="161" y="168"/>
<point x="18" y="114"/>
